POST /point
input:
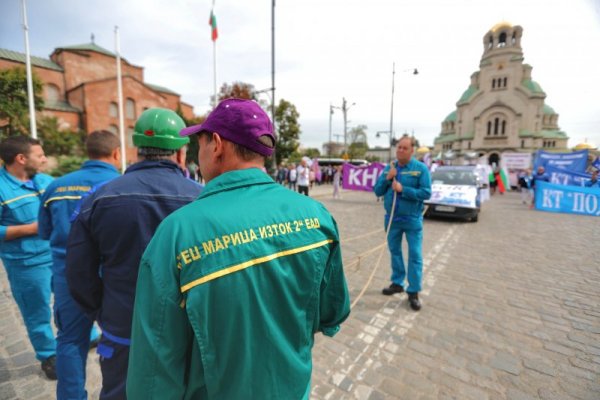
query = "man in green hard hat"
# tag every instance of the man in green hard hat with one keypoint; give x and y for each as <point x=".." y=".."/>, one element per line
<point x="114" y="225"/>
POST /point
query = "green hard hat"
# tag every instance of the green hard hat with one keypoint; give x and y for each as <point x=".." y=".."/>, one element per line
<point x="159" y="127"/>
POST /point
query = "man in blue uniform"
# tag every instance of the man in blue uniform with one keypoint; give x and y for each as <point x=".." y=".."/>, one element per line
<point x="25" y="255"/>
<point x="112" y="230"/>
<point x="593" y="182"/>
<point x="409" y="181"/>
<point x="57" y="206"/>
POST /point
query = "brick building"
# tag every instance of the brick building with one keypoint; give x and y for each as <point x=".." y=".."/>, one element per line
<point x="504" y="109"/>
<point x="80" y="89"/>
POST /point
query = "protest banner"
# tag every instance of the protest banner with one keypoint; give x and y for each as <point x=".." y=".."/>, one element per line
<point x="361" y="177"/>
<point x="561" y="176"/>
<point x="567" y="199"/>
<point x="575" y="161"/>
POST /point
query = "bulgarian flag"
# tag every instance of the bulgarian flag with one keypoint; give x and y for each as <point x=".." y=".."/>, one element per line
<point x="213" y="23"/>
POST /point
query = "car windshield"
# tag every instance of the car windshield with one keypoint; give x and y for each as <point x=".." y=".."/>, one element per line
<point x="455" y="177"/>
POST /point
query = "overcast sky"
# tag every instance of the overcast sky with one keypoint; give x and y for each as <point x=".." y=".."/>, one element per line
<point x="330" y="49"/>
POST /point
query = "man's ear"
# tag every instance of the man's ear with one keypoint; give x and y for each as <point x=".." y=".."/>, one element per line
<point x="219" y="144"/>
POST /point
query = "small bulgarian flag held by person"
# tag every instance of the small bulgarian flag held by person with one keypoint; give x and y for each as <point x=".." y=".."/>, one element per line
<point x="213" y="23"/>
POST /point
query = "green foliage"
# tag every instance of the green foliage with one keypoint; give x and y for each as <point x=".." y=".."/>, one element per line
<point x="312" y="153"/>
<point x="57" y="142"/>
<point x="238" y="90"/>
<point x="357" y="139"/>
<point x="288" y="130"/>
<point x="14" y="106"/>
<point x="67" y="164"/>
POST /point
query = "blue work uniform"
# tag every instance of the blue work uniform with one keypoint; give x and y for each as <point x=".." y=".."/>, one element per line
<point x="27" y="259"/>
<point x="105" y="245"/>
<point x="58" y="204"/>
<point x="407" y="218"/>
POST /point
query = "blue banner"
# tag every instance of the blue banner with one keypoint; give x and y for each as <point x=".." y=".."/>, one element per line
<point x="561" y="176"/>
<point x="567" y="199"/>
<point x="575" y="161"/>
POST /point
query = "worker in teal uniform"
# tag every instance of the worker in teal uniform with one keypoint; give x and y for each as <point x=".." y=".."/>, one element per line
<point x="59" y="202"/>
<point x="27" y="257"/>
<point x="234" y="286"/>
<point x="404" y="185"/>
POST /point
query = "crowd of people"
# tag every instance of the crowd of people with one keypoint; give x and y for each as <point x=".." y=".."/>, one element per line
<point x="188" y="283"/>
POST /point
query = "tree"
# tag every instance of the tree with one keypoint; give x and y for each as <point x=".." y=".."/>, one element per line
<point x="238" y="90"/>
<point x="14" y="106"/>
<point x="312" y="153"/>
<point x="58" y="142"/>
<point x="288" y="130"/>
<point x="357" y="137"/>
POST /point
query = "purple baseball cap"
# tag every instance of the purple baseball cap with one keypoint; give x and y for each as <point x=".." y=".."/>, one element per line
<point x="240" y="121"/>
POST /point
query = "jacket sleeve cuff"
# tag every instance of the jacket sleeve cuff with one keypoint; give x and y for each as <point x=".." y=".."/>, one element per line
<point x="330" y="331"/>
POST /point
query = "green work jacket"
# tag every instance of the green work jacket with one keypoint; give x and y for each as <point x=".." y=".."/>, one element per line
<point x="231" y="290"/>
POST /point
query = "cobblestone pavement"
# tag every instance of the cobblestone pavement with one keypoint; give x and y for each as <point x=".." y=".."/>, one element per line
<point x="511" y="310"/>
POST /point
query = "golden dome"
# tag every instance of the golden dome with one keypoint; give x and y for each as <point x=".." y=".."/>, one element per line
<point x="423" y="149"/>
<point x="501" y="25"/>
<point x="585" y="145"/>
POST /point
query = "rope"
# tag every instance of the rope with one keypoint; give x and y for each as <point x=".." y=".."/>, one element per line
<point x="387" y="231"/>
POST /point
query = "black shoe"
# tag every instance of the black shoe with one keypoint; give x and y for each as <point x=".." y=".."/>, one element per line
<point x="49" y="367"/>
<point x="393" y="288"/>
<point x="413" y="300"/>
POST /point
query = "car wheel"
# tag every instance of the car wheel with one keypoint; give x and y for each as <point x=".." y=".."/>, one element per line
<point x="475" y="218"/>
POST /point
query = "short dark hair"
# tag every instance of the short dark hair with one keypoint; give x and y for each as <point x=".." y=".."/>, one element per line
<point x="101" y="144"/>
<point x="411" y="138"/>
<point x="155" y="153"/>
<point x="12" y="146"/>
<point x="243" y="152"/>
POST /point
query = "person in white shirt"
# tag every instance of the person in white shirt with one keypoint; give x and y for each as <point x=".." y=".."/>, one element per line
<point x="303" y="176"/>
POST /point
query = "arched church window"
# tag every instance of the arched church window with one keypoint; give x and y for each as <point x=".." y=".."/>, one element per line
<point x="505" y="81"/>
<point x="494" y="83"/>
<point x="514" y="39"/>
<point x="52" y="92"/>
<point x="502" y="40"/>
<point x="489" y="130"/>
<point x="491" y="42"/>
<point x="130" y="108"/>
<point x="113" y="110"/>
<point x="503" y="127"/>
<point x="496" y="123"/>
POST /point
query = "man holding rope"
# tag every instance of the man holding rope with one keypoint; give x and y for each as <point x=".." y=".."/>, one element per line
<point x="405" y="184"/>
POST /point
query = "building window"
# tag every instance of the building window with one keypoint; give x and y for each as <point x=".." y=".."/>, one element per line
<point x="493" y="83"/>
<point x="113" y="110"/>
<point x="52" y="93"/>
<point x="503" y="127"/>
<point x="469" y="146"/>
<point x="113" y="129"/>
<point x="514" y="38"/>
<point x="505" y="80"/>
<point x="553" y="143"/>
<point x="502" y="40"/>
<point x="489" y="130"/>
<point x="491" y="42"/>
<point x="130" y="108"/>
<point x="130" y="136"/>
<point x="496" y="122"/>
<point x="522" y="144"/>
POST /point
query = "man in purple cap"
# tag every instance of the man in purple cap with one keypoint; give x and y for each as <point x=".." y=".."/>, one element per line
<point x="233" y="287"/>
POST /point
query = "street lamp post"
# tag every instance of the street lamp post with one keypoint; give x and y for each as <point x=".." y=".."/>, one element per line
<point x="414" y="71"/>
<point x="345" y="108"/>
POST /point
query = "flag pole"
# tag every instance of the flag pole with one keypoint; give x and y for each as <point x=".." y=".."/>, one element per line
<point x="120" y="99"/>
<point x="32" y="123"/>
<point x="213" y="35"/>
<point x="215" y="73"/>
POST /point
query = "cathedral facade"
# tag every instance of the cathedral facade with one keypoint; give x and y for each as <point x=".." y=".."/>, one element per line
<point x="503" y="109"/>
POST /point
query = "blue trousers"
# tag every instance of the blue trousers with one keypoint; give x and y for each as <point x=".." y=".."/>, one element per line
<point x="31" y="289"/>
<point x="114" y="359"/>
<point x="72" y="342"/>
<point x="414" y="272"/>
